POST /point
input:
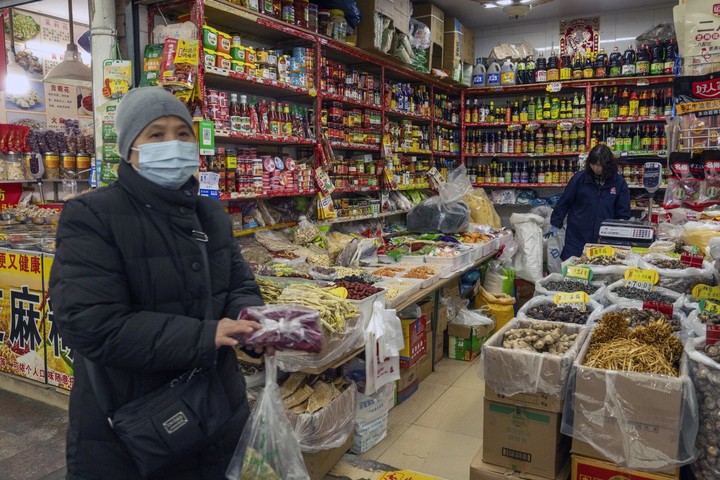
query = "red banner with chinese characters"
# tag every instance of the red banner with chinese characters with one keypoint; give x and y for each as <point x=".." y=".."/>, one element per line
<point x="10" y="194"/>
<point x="59" y="357"/>
<point x="579" y="35"/>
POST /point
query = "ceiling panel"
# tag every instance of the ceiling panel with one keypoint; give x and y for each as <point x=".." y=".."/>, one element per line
<point x="473" y="15"/>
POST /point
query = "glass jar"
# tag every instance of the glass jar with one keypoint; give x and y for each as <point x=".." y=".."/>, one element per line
<point x="325" y="25"/>
<point x="339" y="31"/>
<point x="14" y="166"/>
<point x="312" y="17"/>
<point x="288" y="11"/>
<point x="301" y="13"/>
<point x="83" y="164"/>
<point x="68" y="166"/>
<point x="51" y="161"/>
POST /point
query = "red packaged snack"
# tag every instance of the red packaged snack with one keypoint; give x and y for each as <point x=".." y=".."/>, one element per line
<point x="284" y="327"/>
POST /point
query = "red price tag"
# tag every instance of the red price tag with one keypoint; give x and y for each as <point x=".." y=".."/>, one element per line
<point x="664" y="308"/>
<point x="692" y="260"/>
<point x="712" y="334"/>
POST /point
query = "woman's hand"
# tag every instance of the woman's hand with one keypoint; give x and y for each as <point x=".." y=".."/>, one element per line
<point x="228" y="329"/>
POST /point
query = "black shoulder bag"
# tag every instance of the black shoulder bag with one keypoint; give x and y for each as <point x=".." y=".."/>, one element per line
<point x="175" y="420"/>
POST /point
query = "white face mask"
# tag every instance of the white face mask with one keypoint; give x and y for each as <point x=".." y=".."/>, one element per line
<point x="168" y="164"/>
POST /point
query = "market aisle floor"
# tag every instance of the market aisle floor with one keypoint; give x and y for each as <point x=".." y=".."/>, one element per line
<point x="437" y="431"/>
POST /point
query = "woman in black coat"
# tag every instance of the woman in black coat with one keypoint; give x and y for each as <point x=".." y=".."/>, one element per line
<point x="129" y="290"/>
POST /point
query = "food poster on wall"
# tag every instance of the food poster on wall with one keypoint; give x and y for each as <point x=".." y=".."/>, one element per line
<point x="579" y="36"/>
<point x="58" y="356"/>
<point x="22" y="348"/>
<point x="40" y="43"/>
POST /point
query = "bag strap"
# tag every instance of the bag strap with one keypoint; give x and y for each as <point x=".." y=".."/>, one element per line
<point x="99" y="382"/>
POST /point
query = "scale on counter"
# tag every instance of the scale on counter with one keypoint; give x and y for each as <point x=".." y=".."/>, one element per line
<point x="631" y="232"/>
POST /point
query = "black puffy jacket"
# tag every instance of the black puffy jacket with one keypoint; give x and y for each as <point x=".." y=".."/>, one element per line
<point x="128" y="292"/>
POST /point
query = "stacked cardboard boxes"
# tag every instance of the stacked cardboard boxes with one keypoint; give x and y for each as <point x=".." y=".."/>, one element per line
<point x="373" y="13"/>
<point x="523" y="405"/>
<point x="434" y="18"/>
<point x="415" y="334"/>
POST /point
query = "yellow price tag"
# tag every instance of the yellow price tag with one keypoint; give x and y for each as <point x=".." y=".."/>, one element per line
<point x="580" y="273"/>
<point x="709" y="307"/>
<point x="593" y="252"/>
<point x="639" y="275"/>
<point x="706" y="292"/>
<point x="577" y="300"/>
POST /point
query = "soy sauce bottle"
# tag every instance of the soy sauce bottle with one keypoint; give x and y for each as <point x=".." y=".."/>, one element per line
<point x="565" y="67"/>
<point x="642" y="64"/>
<point x="657" y="62"/>
<point x="577" y="69"/>
<point x="601" y="64"/>
<point x="553" y="68"/>
<point x="520" y="73"/>
<point x="615" y="63"/>
<point x="529" y="70"/>
<point x="541" y="70"/>
<point x="628" y="68"/>
<point x="669" y="54"/>
<point x="589" y="68"/>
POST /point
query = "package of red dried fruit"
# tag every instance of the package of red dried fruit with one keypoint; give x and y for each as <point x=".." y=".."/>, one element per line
<point x="284" y="327"/>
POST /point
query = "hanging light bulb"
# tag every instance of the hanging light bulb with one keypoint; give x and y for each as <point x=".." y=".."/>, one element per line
<point x="16" y="81"/>
<point x="71" y="71"/>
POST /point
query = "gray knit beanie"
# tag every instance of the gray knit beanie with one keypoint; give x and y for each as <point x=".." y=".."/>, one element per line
<point x="139" y="108"/>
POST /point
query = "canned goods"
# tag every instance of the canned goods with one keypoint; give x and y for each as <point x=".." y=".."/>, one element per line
<point x="294" y="65"/>
<point x="300" y="53"/>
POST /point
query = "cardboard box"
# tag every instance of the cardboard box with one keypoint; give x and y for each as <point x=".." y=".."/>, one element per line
<point x="427" y="309"/>
<point x="415" y="335"/>
<point x="397" y="10"/>
<point x="521" y="371"/>
<point x="648" y="408"/>
<point x="453" y="42"/>
<point x="468" y="49"/>
<point x="584" y="449"/>
<point x="403" y="395"/>
<point x="442" y="318"/>
<point x="320" y="463"/>
<point x="524" y="439"/>
<point x="433" y="17"/>
<point x="587" y="468"/>
<point x="480" y="470"/>
<point x="325" y="425"/>
<point x="541" y="401"/>
<point x="424" y="367"/>
<point x="465" y="342"/>
<point x="515" y="51"/>
<point x="407" y="377"/>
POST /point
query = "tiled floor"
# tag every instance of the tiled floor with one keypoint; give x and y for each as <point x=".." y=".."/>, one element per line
<point x="437" y="431"/>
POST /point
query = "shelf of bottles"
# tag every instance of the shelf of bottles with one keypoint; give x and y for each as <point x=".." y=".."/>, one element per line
<point x="547" y="173"/>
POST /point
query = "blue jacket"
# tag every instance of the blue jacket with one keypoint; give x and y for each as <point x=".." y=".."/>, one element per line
<point x="586" y="206"/>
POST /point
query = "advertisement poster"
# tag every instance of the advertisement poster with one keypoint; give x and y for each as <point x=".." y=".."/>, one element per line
<point x="59" y="357"/>
<point x="40" y="43"/>
<point x="579" y="35"/>
<point x="22" y="330"/>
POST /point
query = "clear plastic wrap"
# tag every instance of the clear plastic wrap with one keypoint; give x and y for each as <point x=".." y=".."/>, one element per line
<point x="699" y="234"/>
<point x="268" y="448"/>
<point x="540" y="290"/>
<point x="614" y="299"/>
<point x="482" y="211"/>
<point x="604" y="273"/>
<point x="705" y="375"/>
<point x="510" y="372"/>
<point x="594" y="308"/>
<point x="274" y="241"/>
<point x="329" y="427"/>
<point x="529" y="235"/>
<point x="445" y="212"/>
<point x="679" y="280"/>
<point x="284" y="327"/>
<point x="471" y="318"/>
<point x="635" y="420"/>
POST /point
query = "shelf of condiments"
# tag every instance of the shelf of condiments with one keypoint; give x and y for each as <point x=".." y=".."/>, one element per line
<point x="630" y="137"/>
<point x="656" y="60"/>
<point x="226" y="52"/>
<point x="633" y="174"/>
<point x="236" y="114"/>
<point x="351" y="125"/>
<point x="612" y="103"/>
<point x="407" y="98"/>
<point x="359" y="172"/>
<point x="446" y="108"/>
<point x="541" y="141"/>
<point x="301" y="13"/>
<point x="244" y="173"/>
<point x="347" y="207"/>
<point x="549" y="107"/>
<point x="409" y="137"/>
<point x="542" y="171"/>
<point x="343" y="81"/>
<point x="409" y="172"/>
<point x="445" y="140"/>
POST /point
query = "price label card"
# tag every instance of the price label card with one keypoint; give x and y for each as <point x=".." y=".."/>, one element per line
<point x="578" y="273"/>
<point x="664" y="308"/>
<point x="712" y="334"/>
<point x="593" y="252"/>
<point x="641" y="279"/>
<point x="706" y="292"/>
<point x="554" y="87"/>
<point x="209" y="183"/>
<point x="206" y="137"/>
<point x="709" y="307"/>
<point x="576" y="300"/>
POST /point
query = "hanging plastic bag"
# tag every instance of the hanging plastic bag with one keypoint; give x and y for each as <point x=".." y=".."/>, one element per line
<point x="382" y="364"/>
<point x="268" y="448"/>
<point x="529" y="236"/>
<point x="445" y="212"/>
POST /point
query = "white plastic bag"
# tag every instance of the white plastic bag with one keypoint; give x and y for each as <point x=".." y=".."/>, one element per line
<point x="607" y="274"/>
<point x="678" y="299"/>
<point x="594" y="309"/>
<point x="679" y="280"/>
<point x="541" y="290"/>
<point x="528" y="261"/>
<point x="268" y="448"/>
<point x="382" y="364"/>
<point x="471" y="318"/>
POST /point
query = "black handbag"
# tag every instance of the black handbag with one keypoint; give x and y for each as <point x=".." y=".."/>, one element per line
<point x="179" y="418"/>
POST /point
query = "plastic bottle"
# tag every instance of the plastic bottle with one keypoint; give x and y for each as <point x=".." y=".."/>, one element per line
<point x="493" y="75"/>
<point x="657" y="62"/>
<point x="565" y="67"/>
<point x="529" y="69"/>
<point x="520" y="74"/>
<point x="642" y="64"/>
<point x="478" y="74"/>
<point x="670" y="52"/>
<point x="507" y="73"/>
<point x="540" y="70"/>
<point x="601" y="64"/>
<point x="628" y="68"/>
<point x="553" y="68"/>
<point x="615" y="63"/>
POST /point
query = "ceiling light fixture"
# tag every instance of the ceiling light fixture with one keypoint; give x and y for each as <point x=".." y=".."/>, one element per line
<point x="71" y="71"/>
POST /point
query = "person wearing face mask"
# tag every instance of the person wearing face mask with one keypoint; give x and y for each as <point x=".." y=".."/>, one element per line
<point x="592" y="196"/>
<point x="130" y="295"/>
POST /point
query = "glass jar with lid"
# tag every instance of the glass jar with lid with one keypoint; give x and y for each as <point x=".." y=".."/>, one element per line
<point x="14" y="166"/>
<point x="325" y="24"/>
<point x="339" y="31"/>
